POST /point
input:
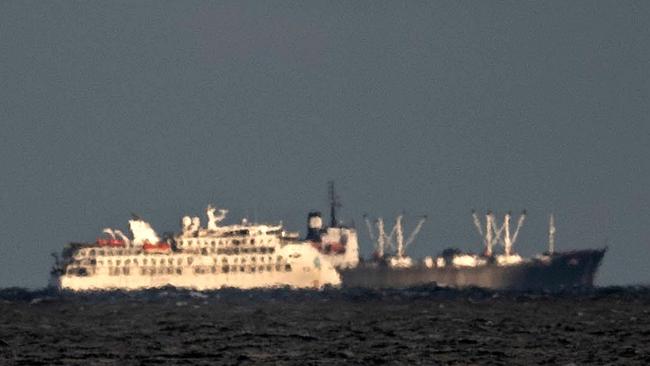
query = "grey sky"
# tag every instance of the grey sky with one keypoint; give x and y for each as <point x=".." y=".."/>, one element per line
<point x="159" y="108"/>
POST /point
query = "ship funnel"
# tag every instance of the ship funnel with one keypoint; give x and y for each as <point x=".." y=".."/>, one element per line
<point x="314" y="220"/>
<point x="314" y="226"/>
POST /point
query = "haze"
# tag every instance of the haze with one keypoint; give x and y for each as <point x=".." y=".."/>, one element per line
<point x="159" y="108"/>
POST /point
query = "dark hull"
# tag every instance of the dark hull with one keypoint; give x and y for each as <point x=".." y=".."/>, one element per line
<point x="564" y="270"/>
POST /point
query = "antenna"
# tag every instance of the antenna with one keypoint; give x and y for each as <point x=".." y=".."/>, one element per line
<point x="334" y="203"/>
<point x="551" y="234"/>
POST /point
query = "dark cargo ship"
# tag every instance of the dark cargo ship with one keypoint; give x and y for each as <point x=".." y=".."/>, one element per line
<point x="549" y="272"/>
<point x="390" y="267"/>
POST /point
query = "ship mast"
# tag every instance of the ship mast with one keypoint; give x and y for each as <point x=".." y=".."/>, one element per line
<point x="494" y="234"/>
<point x="551" y="234"/>
<point x="489" y="230"/>
<point x="385" y="241"/>
<point x="415" y="231"/>
<point x="507" y="240"/>
<point x="381" y="238"/>
<point x="334" y="204"/>
<point x="399" y="234"/>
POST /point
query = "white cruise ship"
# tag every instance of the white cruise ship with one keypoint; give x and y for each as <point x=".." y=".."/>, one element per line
<point x="243" y="256"/>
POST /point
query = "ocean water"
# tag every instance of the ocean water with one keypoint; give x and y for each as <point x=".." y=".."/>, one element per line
<point x="429" y="326"/>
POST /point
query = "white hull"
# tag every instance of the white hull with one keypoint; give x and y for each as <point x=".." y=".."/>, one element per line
<point x="302" y="267"/>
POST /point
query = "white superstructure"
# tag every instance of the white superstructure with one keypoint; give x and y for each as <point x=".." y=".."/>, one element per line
<point x="242" y="255"/>
<point x="338" y="243"/>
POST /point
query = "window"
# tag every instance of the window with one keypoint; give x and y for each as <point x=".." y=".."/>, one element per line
<point x="92" y="252"/>
<point x="189" y="260"/>
<point x="179" y="270"/>
<point x="287" y="268"/>
<point x="179" y="261"/>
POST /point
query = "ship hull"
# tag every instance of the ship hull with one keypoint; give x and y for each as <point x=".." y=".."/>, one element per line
<point x="560" y="271"/>
<point x="191" y="281"/>
<point x="293" y="265"/>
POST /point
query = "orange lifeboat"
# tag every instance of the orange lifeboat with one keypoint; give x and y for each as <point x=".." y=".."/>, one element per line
<point x="157" y="248"/>
<point x="110" y="243"/>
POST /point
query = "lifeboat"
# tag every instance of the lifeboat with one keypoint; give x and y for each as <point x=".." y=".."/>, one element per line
<point x="157" y="248"/>
<point x="110" y="243"/>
